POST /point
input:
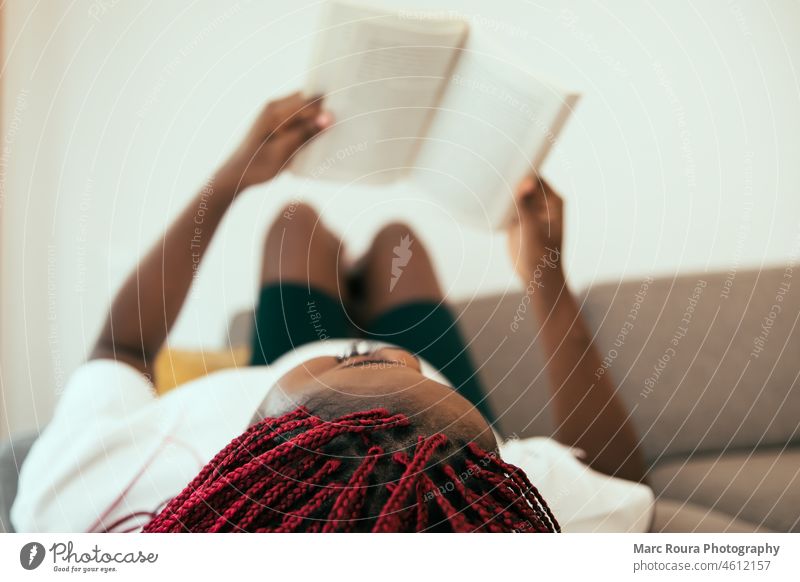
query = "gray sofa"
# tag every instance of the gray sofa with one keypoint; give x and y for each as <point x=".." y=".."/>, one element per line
<point x="719" y="426"/>
<point x="707" y="367"/>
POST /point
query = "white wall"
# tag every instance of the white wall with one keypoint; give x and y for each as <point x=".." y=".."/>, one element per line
<point x="682" y="155"/>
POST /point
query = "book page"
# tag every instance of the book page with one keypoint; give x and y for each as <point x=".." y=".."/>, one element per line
<point x="495" y="125"/>
<point x="382" y="75"/>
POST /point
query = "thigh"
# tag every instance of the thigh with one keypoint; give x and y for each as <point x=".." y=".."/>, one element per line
<point x="300" y="249"/>
<point x="289" y="315"/>
<point x="428" y="329"/>
<point x="301" y="297"/>
<point x="397" y="270"/>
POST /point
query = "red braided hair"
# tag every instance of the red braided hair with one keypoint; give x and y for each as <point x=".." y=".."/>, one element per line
<point x="301" y="473"/>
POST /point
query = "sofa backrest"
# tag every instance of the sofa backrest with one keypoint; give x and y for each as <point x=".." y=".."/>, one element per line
<point x="705" y="362"/>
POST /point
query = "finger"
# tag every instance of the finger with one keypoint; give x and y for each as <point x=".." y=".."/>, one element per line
<point x="534" y="192"/>
<point x="526" y="189"/>
<point x="277" y="114"/>
<point x="553" y="203"/>
<point x="293" y="137"/>
<point x="324" y="119"/>
<point x="529" y="198"/>
<point x="549" y="193"/>
<point x="295" y="107"/>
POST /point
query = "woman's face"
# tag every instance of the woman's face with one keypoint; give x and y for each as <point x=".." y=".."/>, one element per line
<point x="388" y="377"/>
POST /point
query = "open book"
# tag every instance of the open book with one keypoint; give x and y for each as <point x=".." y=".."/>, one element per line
<point x="422" y="98"/>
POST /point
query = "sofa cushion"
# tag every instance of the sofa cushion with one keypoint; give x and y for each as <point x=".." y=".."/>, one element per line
<point x="671" y="516"/>
<point x="174" y="366"/>
<point x="705" y="362"/>
<point x="761" y="487"/>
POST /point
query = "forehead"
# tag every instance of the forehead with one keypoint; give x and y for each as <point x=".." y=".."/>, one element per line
<point x="429" y="404"/>
<point x="330" y="391"/>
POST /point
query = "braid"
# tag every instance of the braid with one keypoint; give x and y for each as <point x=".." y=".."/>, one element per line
<point x="351" y="500"/>
<point x="301" y="473"/>
<point x="524" y="484"/>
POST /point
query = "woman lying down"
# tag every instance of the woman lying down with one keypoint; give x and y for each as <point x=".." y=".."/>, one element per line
<point x="361" y="410"/>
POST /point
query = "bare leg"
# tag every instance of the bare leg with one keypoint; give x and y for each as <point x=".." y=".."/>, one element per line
<point x="396" y="271"/>
<point x="398" y="277"/>
<point x="300" y="249"/>
<point x="298" y="252"/>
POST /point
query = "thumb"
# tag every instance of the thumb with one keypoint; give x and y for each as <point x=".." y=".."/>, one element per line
<point x="527" y="197"/>
<point x="300" y="132"/>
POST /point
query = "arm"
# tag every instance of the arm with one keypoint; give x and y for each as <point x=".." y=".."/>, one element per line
<point x="589" y="414"/>
<point x="150" y="300"/>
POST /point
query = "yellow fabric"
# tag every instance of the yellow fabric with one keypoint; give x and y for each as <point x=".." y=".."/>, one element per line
<point x="175" y="367"/>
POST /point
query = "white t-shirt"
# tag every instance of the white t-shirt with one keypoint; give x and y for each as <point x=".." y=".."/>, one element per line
<point x="115" y="452"/>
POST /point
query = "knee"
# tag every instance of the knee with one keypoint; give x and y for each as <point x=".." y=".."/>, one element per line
<point x="296" y="221"/>
<point x="392" y="235"/>
<point x="296" y="218"/>
<point x="298" y="212"/>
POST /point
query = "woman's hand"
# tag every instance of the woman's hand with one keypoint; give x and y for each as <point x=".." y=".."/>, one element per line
<point x="534" y="239"/>
<point x="281" y="128"/>
<point x="149" y="302"/>
<point x="588" y="413"/>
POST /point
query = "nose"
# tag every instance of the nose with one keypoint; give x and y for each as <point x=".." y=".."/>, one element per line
<point x="400" y="356"/>
<point x="397" y="357"/>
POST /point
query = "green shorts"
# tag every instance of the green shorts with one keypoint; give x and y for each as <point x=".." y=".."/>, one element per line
<point x="290" y="315"/>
